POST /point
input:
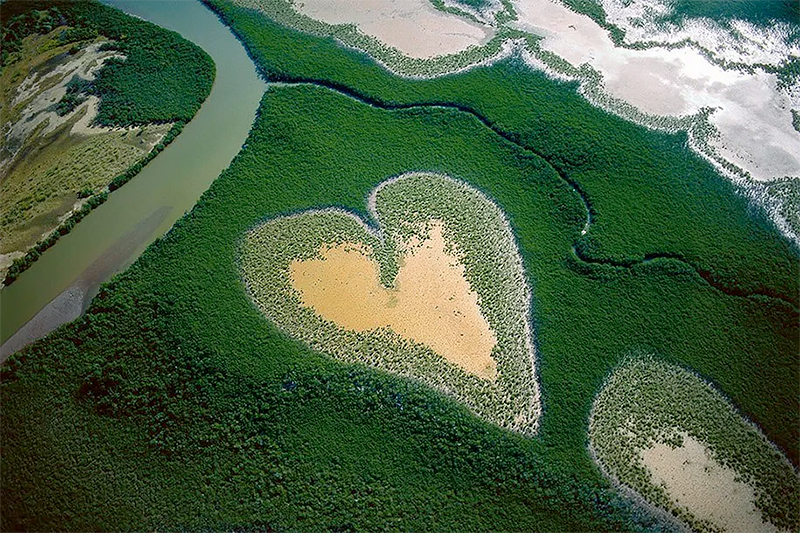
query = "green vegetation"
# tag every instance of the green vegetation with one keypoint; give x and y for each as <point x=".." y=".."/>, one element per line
<point x="276" y="434"/>
<point x="403" y="207"/>
<point x="189" y="377"/>
<point x="764" y="12"/>
<point x="174" y="404"/>
<point x="647" y="401"/>
<point x="609" y="159"/>
<point x="75" y="96"/>
<point x="282" y="12"/>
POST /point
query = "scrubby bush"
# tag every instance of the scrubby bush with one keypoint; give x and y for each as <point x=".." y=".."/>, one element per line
<point x="647" y="401"/>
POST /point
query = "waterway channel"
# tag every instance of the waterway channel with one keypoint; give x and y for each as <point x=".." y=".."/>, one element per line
<point x="60" y="285"/>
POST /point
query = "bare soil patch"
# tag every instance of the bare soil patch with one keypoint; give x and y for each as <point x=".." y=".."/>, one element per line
<point x="431" y="303"/>
<point x="414" y="27"/>
<point x="708" y="490"/>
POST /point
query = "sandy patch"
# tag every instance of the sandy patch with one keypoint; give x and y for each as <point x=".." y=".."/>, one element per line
<point x="708" y="490"/>
<point x="38" y="100"/>
<point x="64" y="308"/>
<point x="432" y="302"/>
<point x="413" y="27"/>
<point x="752" y="115"/>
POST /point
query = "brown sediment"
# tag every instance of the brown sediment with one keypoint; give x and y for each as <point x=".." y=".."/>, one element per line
<point x="431" y="302"/>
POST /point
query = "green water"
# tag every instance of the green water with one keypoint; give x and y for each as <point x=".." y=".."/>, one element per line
<point x="113" y="236"/>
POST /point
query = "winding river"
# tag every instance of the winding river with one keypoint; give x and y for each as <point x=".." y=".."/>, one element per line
<point x="60" y="285"/>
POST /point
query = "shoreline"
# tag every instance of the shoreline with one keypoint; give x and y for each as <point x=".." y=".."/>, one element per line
<point x="62" y="309"/>
<point x="71" y="303"/>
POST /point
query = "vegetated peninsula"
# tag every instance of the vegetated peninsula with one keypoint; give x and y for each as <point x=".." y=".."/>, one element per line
<point x="89" y="96"/>
<point x="206" y="387"/>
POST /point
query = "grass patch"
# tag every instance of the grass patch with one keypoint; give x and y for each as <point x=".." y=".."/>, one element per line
<point x="62" y="169"/>
<point x="157" y="88"/>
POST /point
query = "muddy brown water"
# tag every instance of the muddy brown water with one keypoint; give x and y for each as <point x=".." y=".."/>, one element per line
<point x="110" y="238"/>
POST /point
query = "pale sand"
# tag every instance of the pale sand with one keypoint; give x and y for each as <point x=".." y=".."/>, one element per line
<point x="64" y="308"/>
<point x="83" y="125"/>
<point x="74" y="300"/>
<point x="710" y="491"/>
<point x="431" y="303"/>
<point x="414" y="27"/>
<point x="753" y="117"/>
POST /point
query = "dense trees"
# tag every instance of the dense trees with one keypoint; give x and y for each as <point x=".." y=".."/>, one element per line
<point x="646" y="401"/>
<point x="163" y="78"/>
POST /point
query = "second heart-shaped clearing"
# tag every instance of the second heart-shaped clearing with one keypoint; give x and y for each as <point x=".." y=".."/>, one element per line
<point x="437" y="293"/>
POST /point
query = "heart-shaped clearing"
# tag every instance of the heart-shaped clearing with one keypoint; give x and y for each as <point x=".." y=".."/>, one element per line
<point x="438" y="294"/>
<point x="431" y="303"/>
